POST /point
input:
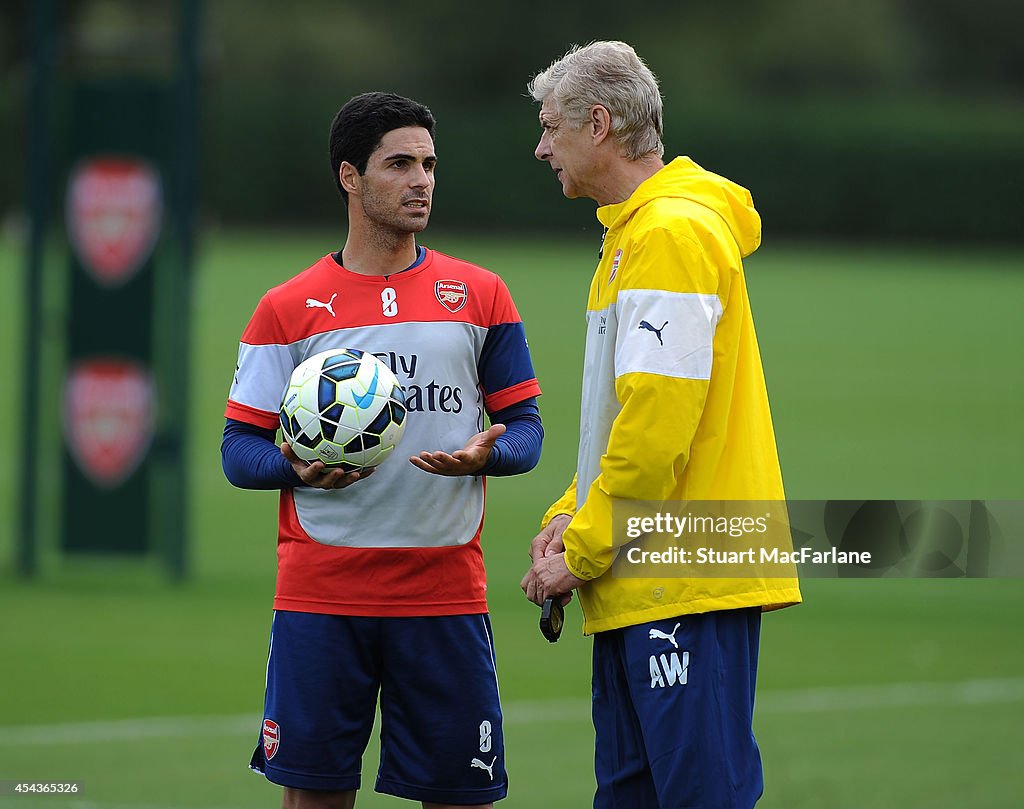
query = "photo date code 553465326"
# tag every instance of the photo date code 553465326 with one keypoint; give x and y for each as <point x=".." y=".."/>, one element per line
<point x="40" y="787"/>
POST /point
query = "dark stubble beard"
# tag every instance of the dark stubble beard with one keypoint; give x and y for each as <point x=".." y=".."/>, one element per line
<point x="387" y="220"/>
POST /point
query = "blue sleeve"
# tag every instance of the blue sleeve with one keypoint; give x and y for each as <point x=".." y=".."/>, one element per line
<point x="518" y="449"/>
<point x="505" y="368"/>
<point x="252" y="460"/>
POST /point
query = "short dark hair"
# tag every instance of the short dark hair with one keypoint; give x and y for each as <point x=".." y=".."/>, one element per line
<point x="361" y="124"/>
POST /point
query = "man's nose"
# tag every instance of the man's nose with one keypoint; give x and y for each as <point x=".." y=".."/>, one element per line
<point x="543" y="150"/>
<point x="420" y="178"/>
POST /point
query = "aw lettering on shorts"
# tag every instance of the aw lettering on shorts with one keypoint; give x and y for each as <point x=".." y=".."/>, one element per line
<point x="668" y="669"/>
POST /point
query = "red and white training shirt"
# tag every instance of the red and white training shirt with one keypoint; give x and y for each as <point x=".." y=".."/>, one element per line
<point x="403" y="541"/>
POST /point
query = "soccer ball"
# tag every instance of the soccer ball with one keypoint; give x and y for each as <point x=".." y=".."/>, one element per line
<point x="345" y="408"/>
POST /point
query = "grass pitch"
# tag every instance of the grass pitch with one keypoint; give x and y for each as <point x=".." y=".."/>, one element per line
<point x="893" y="373"/>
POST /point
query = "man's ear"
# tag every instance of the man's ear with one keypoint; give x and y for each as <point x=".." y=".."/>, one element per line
<point x="349" y="177"/>
<point x="600" y="123"/>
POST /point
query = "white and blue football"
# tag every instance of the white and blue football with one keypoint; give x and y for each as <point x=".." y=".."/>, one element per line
<point x="345" y="408"/>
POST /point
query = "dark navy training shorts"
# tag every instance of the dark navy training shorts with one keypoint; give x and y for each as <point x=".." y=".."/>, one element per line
<point x="441" y="737"/>
<point x="673" y="705"/>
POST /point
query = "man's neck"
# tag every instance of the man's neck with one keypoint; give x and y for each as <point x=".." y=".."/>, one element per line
<point x="378" y="256"/>
<point x="623" y="177"/>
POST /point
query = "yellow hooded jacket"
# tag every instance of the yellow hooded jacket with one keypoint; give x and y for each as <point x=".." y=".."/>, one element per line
<point x="674" y="404"/>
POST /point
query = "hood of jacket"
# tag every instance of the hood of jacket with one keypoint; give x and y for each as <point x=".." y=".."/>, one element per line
<point x="684" y="179"/>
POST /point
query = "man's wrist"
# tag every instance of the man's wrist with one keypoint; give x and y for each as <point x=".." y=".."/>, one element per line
<point x="572" y="567"/>
<point x="493" y="459"/>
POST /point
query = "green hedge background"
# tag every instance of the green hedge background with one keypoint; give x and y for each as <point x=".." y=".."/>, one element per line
<point x="877" y="119"/>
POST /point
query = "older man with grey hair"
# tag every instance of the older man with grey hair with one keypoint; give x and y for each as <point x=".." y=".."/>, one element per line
<point x="674" y="410"/>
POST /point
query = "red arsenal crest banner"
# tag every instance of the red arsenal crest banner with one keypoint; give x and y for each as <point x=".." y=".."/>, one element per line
<point x="109" y="416"/>
<point x="114" y="211"/>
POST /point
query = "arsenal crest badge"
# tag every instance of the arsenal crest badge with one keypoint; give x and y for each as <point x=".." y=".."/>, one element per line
<point x="114" y="212"/>
<point x="109" y="416"/>
<point x="452" y="295"/>
<point x="271" y="738"/>
<point x="615" y="265"/>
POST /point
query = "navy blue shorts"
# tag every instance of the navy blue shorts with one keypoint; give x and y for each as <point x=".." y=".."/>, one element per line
<point x="441" y="736"/>
<point x="673" y="705"/>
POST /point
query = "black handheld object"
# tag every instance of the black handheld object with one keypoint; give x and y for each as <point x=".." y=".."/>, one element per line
<point x="552" y="616"/>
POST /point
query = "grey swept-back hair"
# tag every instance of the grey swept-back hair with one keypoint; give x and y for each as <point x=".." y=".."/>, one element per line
<point x="610" y="74"/>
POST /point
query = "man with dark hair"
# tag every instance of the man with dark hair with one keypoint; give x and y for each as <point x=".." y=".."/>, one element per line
<point x="381" y="583"/>
<point x="357" y="128"/>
